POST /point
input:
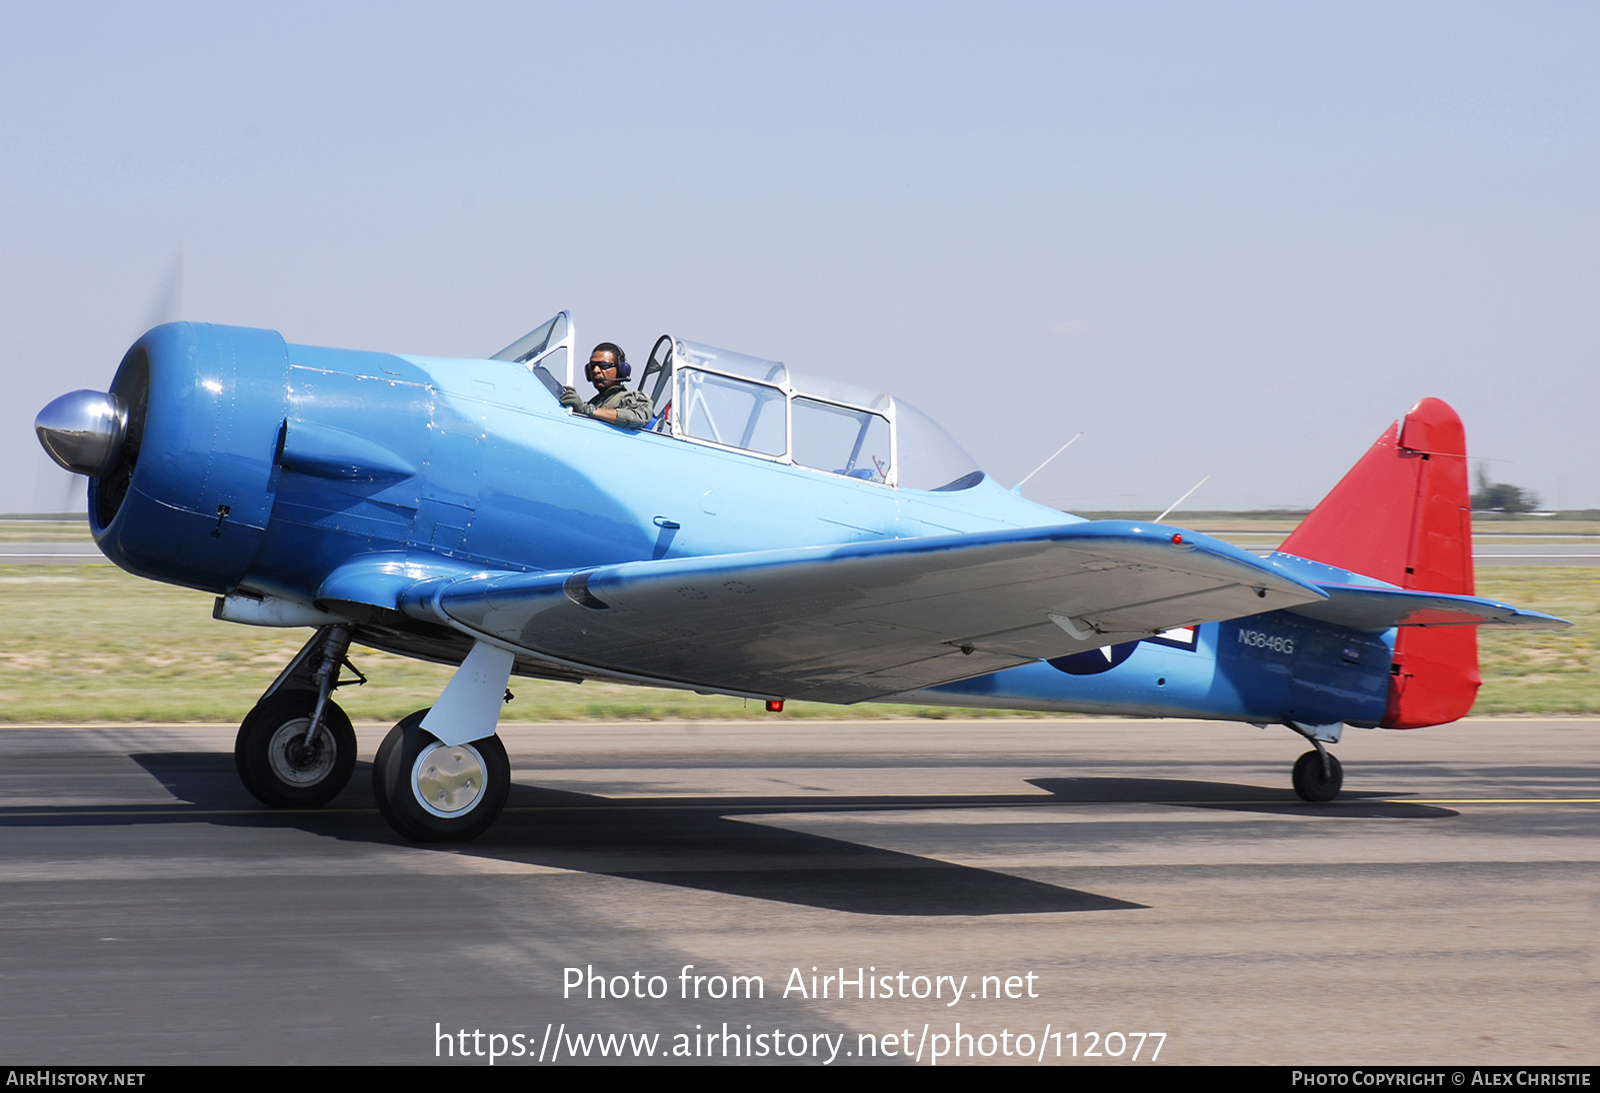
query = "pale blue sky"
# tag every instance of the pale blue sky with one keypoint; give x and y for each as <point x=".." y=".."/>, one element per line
<point x="1235" y="239"/>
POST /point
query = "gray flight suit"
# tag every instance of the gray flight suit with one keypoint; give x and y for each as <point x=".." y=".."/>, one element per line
<point x="634" y="409"/>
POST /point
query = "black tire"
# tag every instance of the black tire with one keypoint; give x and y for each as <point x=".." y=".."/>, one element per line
<point x="273" y="765"/>
<point x="1310" y="782"/>
<point x="451" y="801"/>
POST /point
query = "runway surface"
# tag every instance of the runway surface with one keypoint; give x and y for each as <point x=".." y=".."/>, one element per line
<point x="1149" y="878"/>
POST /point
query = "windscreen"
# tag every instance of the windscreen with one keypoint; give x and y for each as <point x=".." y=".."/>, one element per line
<point x="930" y="459"/>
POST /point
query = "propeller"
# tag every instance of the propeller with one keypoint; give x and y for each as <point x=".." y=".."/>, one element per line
<point x="82" y="431"/>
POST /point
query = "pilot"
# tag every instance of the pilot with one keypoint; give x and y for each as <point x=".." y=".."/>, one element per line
<point x="608" y="370"/>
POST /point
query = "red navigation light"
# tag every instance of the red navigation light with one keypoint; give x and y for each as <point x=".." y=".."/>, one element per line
<point x="774" y="705"/>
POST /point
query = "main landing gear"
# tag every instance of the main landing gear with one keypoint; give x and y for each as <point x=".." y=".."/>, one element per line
<point x="435" y="792"/>
<point x="1318" y="776"/>
<point x="295" y="748"/>
<point x="441" y="775"/>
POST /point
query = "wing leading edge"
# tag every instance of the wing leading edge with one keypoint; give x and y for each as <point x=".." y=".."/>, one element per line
<point x="858" y="621"/>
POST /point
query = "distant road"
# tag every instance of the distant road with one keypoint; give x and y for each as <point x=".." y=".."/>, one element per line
<point x="51" y="554"/>
<point x="1562" y="554"/>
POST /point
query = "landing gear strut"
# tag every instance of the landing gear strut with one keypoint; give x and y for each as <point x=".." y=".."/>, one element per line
<point x="442" y="774"/>
<point x="296" y="748"/>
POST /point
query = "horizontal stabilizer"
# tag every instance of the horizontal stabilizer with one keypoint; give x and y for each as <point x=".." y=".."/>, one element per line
<point x="1366" y="608"/>
<point x="853" y="622"/>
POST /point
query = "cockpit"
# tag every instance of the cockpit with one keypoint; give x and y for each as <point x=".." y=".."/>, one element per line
<point x="756" y="407"/>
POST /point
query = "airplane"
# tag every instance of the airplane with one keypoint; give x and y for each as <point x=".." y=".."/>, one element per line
<point x="767" y="534"/>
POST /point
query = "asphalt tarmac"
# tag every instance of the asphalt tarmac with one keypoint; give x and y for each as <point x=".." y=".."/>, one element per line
<point x="1095" y="879"/>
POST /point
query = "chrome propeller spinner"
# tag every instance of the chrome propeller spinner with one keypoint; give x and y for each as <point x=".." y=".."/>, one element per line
<point x="83" y="430"/>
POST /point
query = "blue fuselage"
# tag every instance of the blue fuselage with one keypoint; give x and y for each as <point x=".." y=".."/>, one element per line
<point x="266" y="466"/>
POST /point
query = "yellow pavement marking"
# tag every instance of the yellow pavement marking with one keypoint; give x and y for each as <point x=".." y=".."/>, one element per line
<point x="1492" y="800"/>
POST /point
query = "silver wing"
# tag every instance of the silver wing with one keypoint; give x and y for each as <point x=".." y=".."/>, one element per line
<point x="859" y="621"/>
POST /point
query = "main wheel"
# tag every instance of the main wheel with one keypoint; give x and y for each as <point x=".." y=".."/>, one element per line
<point x="433" y="792"/>
<point x="274" y="761"/>
<point x="1311" y="783"/>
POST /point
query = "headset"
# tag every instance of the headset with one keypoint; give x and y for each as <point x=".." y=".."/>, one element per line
<point x="624" y="369"/>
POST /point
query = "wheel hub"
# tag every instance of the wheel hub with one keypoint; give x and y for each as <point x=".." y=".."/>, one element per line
<point x="296" y="763"/>
<point x="448" y="781"/>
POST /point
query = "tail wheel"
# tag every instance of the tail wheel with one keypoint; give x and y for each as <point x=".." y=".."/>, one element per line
<point x="434" y="792"/>
<point x="1314" y="784"/>
<point x="279" y="766"/>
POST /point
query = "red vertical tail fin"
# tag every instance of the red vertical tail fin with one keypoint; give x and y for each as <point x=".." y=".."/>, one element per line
<point x="1403" y="515"/>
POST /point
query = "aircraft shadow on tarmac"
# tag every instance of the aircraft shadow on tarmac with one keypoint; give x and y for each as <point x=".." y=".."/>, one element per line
<point x="1233" y="798"/>
<point x="700" y="843"/>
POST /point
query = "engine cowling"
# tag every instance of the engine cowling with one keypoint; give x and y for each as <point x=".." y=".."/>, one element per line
<point x="185" y="493"/>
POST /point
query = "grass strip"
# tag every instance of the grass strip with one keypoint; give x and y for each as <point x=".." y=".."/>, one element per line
<point x="92" y="643"/>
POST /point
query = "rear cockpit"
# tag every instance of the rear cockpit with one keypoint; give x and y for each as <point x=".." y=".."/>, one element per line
<point x="761" y="408"/>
